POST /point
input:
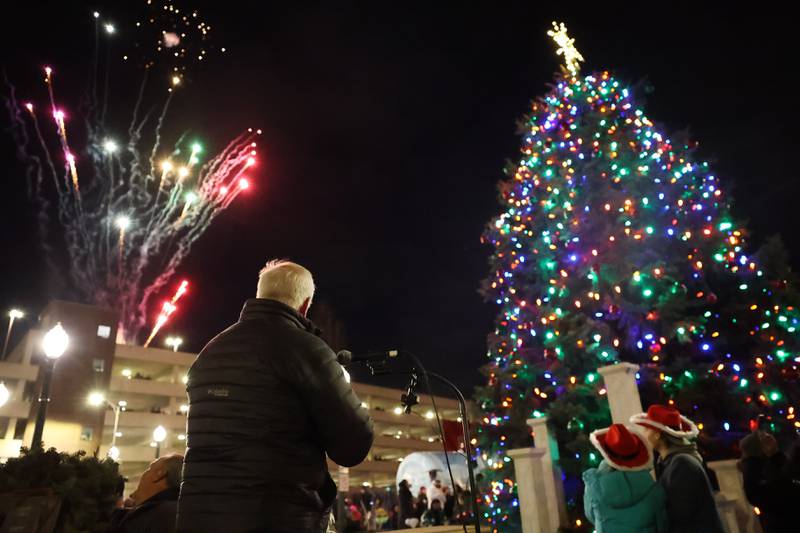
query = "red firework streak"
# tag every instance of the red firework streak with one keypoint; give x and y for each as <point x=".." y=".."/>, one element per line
<point x="167" y="309"/>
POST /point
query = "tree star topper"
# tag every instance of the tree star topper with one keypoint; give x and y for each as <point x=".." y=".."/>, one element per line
<point x="566" y="47"/>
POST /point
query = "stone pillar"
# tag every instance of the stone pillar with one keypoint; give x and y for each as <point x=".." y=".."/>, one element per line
<point x="623" y="395"/>
<point x="531" y="474"/>
<point x="554" y="483"/>
<point x="731" y="488"/>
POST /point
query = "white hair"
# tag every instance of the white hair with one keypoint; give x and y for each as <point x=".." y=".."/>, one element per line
<point x="285" y="282"/>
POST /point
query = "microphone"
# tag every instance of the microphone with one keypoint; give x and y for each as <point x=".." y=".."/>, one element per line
<point x="409" y="398"/>
<point x="346" y="357"/>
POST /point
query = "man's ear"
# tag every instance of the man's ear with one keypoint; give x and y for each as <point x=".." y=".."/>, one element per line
<point x="303" y="309"/>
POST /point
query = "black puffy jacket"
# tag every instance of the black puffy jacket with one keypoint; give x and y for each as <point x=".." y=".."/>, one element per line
<point x="267" y="401"/>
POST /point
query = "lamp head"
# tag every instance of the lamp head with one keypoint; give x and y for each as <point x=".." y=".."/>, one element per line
<point x="96" y="399"/>
<point x="159" y="434"/>
<point x="55" y="342"/>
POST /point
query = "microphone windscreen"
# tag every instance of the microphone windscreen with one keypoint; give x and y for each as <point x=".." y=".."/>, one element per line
<point x="344" y="357"/>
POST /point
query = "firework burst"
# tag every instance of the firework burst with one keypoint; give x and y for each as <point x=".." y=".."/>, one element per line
<point x="129" y="205"/>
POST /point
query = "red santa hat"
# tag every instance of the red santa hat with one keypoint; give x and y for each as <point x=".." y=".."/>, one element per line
<point x="623" y="448"/>
<point x="667" y="419"/>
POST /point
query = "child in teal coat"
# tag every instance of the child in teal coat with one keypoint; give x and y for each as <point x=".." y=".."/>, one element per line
<point x="621" y="496"/>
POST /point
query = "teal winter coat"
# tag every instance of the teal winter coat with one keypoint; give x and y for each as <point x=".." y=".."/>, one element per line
<point x="617" y="501"/>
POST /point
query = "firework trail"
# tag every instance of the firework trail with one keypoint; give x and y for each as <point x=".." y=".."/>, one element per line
<point x="129" y="208"/>
<point x="167" y="308"/>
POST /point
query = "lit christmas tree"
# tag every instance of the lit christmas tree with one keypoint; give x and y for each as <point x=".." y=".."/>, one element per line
<point x="616" y="244"/>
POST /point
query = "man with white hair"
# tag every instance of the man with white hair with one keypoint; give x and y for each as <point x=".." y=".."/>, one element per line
<point x="267" y="402"/>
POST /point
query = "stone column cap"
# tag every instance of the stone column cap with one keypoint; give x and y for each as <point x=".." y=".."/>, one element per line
<point x="619" y="368"/>
<point x="532" y="453"/>
<point x="535" y="422"/>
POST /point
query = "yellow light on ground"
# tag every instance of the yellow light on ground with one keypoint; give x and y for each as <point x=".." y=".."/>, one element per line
<point x="429" y="415"/>
<point x="398" y="410"/>
<point x="126" y="373"/>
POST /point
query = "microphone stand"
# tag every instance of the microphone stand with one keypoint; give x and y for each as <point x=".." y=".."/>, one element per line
<point x="409" y="399"/>
<point x="462" y="405"/>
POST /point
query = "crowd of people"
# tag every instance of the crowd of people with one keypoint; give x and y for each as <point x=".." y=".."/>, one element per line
<point x="152" y="507"/>
<point x="437" y="507"/>
<point x="622" y="496"/>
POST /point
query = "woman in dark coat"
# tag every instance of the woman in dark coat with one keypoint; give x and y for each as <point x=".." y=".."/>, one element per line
<point x="406" y="500"/>
<point x="769" y="483"/>
<point x="422" y="503"/>
<point x="690" y="500"/>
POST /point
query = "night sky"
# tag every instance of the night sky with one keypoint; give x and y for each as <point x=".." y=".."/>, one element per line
<point x="386" y="127"/>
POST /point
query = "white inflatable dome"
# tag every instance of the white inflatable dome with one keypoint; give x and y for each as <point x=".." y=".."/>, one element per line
<point x="415" y="468"/>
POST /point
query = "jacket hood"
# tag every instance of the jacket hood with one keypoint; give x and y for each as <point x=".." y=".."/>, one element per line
<point x="625" y="489"/>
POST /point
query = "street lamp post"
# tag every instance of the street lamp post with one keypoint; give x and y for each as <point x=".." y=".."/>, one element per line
<point x="159" y="434"/>
<point x="54" y="345"/>
<point x="97" y="399"/>
<point x="174" y="343"/>
<point x="12" y="316"/>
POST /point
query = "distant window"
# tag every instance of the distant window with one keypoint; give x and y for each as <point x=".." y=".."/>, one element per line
<point x="86" y="433"/>
<point x="104" y="331"/>
<point x="99" y="365"/>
